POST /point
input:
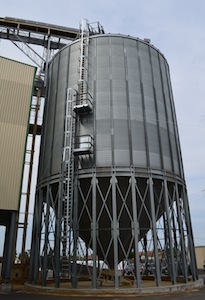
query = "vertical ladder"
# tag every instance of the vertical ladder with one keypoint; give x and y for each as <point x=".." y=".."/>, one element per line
<point x="83" y="61"/>
<point x="84" y="98"/>
<point x="67" y="174"/>
<point x="73" y="105"/>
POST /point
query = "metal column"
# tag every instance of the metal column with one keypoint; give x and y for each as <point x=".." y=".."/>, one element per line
<point x="46" y="241"/>
<point x="9" y="249"/>
<point x="154" y="232"/>
<point x="74" y="279"/>
<point x="115" y="228"/>
<point x="169" y="235"/>
<point x="58" y="240"/>
<point x="190" y="235"/>
<point x="181" y="231"/>
<point x="94" y="231"/>
<point x="36" y="239"/>
<point x="135" y="230"/>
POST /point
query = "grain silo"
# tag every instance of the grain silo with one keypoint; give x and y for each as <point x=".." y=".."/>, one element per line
<point x="111" y="186"/>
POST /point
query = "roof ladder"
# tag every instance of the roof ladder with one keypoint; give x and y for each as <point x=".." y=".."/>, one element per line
<point x="84" y="100"/>
<point x="83" y="104"/>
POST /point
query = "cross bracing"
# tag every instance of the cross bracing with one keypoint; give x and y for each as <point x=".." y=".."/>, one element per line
<point x="163" y="249"/>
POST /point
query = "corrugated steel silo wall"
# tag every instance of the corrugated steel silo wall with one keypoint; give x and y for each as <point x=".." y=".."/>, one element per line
<point x="131" y="190"/>
<point x="135" y="121"/>
<point x="134" y="118"/>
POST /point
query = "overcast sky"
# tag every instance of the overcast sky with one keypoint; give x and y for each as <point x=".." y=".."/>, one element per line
<point x="177" y="28"/>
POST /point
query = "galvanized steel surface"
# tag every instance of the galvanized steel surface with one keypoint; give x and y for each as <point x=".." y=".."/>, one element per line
<point x="130" y="193"/>
<point x="134" y="121"/>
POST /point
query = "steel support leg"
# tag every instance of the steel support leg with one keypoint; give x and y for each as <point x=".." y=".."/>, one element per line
<point x="181" y="232"/>
<point x="154" y="231"/>
<point x="135" y="230"/>
<point x="94" y="229"/>
<point x="115" y="229"/>
<point x="169" y="236"/>
<point x="9" y="248"/>
<point x="58" y="229"/>
<point x="75" y="234"/>
<point x="46" y="241"/>
<point x="36" y="239"/>
<point x="190" y="236"/>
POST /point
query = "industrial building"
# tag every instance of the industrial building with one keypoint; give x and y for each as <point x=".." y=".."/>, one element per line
<point x="111" y="190"/>
<point x="16" y="81"/>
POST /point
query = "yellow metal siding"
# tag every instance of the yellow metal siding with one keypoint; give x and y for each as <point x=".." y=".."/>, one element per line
<point x="16" y="84"/>
<point x="200" y="256"/>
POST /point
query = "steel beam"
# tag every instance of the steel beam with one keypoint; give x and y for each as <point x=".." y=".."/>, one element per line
<point x="181" y="232"/>
<point x="94" y="231"/>
<point x="115" y="228"/>
<point x="190" y="235"/>
<point x="135" y="230"/>
<point x="154" y="231"/>
<point x="169" y="235"/>
<point x="74" y="279"/>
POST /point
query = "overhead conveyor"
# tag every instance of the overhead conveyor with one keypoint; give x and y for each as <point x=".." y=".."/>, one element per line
<point x="36" y="33"/>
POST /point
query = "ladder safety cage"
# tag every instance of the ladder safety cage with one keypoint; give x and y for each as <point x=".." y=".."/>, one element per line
<point x="84" y="100"/>
<point x="67" y="178"/>
<point x="83" y="60"/>
<point x="77" y="103"/>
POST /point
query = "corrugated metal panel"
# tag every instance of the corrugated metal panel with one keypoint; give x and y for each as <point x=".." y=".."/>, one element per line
<point x="16" y="84"/>
<point x="134" y="118"/>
